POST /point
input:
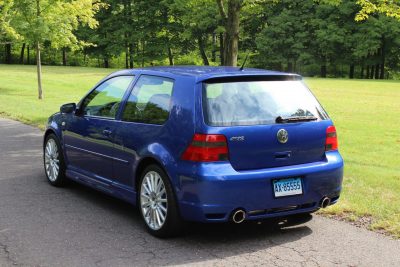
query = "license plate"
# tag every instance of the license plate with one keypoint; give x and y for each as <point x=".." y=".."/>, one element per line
<point x="287" y="187"/>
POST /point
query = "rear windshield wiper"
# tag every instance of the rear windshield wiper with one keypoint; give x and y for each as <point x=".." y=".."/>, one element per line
<point x="279" y="119"/>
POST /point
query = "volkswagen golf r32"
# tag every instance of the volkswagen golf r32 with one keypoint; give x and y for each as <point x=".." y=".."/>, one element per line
<point x="205" y="144"/>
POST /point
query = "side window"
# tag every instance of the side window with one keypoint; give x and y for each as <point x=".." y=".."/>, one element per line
<point x="104" y="101"/>
<point x="149" y="101"/>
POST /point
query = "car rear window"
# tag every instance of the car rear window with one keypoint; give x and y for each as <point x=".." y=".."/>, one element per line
<point x="257" y="102"/>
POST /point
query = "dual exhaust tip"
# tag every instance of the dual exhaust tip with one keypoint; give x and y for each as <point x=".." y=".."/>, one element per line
<point x="239" y="215"/>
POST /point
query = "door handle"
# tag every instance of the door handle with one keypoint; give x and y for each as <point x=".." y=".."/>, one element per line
<point x="107" y="132"/>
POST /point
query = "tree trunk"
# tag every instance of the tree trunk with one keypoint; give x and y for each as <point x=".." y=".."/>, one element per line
<point x="231" y="23"/>
<point x="38" y="60"/>
<point x="39" y="70"/>
<point x="377" y="68"/>
<point x="371" y="75"/>
<point x="64" y="56"/>
<point x="8" y="57"/>
<point x="290" y="66"/>
<point x="221" y="49"/>
<point x="28" y="50"/>
<point x="106" y="63"/>
<point x="382" y="70"/>
<point x="127" y="17"/>
<point x="143" y="44"/>
<point x="368" y="72"/>
<point x="351" y="73"/>
<point x="170" y="57"/>
<point x="131" y="55"/>
<point x="323" y="71"/>
<point x="202" y="51"/>
<point x="126" y="55"/>
<point x="21" y="56"/>
<point x="128" y="50"/>
<point x="362" y="71"/>
<point x="214" y="47"/>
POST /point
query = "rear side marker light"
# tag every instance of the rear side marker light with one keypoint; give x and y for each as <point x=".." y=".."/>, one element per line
<point x="331" y="142"/>
<point x="207" y="148"/>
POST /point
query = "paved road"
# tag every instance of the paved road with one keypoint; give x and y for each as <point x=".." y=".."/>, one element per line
<point x="45" y="226"/>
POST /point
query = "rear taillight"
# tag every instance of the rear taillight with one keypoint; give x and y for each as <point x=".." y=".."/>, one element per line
<point x="207" y="148"/>
<point x="331" y="142"/>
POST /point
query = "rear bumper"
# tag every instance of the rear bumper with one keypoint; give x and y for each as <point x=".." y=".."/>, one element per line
<point x="210" y="192"/>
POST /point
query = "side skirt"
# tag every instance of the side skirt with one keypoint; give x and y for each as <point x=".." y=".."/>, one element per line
<point x="117" y="190"/>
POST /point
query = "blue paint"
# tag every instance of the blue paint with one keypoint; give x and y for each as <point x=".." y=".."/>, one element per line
<point x="206" y="192"/>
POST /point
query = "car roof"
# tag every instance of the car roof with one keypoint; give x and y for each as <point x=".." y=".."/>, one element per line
<point x="201" y="73"/>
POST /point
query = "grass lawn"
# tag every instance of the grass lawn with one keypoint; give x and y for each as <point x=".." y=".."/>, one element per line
<point x="366" y="114"/>
<point x="367" y="118"/>
<point x="18" y="90"/>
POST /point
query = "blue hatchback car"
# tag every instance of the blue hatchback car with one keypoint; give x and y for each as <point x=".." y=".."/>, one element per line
<point x="205" y="144"/>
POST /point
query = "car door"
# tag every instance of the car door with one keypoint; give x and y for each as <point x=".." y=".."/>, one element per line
<point x="143" y="122"/>
<point x="88" y="135"/>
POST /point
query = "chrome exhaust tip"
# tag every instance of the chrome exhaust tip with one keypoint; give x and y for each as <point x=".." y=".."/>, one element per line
<point x="325" y="202"/>
<point x="238" y="216"/>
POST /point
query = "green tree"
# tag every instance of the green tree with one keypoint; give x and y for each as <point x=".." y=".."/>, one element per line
<point x="6" y="13"/>
<point x="231" y="22"/>
<point x="54" y="21"/>
<point x="199" y="22"/>
<point x="390" y="8"/>
<point x="368" y="7"/>
<point x="110" y="36"/>
<point x="286" y="38"/>
<point x="7" y="33"/>
<point x="230" y="12"/>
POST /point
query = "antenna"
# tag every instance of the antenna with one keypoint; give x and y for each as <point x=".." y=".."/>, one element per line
<point x="244" y="62"/>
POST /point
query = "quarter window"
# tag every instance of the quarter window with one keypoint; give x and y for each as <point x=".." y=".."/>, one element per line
<point x="149" y="101"/>
<point x="105" y="100"/>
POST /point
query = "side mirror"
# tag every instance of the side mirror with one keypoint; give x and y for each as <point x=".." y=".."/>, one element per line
<point x="68" y="108"/>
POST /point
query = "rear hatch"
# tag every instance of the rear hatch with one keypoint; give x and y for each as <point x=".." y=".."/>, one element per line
<point x="266" y="123"/>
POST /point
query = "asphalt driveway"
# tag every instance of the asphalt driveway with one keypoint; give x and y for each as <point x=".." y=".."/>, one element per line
<point x="75" y="226"/>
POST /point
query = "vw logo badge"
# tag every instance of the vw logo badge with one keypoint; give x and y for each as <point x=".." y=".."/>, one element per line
<point x="282" y="136"/>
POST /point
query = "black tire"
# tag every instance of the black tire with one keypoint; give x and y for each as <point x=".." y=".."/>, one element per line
<point x="173" y="224"/>
<point x="60" y="179"/>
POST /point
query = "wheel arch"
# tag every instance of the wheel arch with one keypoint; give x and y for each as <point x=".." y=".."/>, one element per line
<point x="57" y="133"/>
<point x="48" y="132"/>
<point x="152" y="159"/>
<point x="147" y="161"/>
<point x="53" y="127"/>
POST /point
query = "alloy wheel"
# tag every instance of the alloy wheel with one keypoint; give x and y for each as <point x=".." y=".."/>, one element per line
<point x="153" y="200"/>
<point x="51" y="160"/>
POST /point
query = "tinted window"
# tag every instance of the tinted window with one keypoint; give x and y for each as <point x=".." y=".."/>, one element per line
<point x="149" y="101"/>
<point x="105" y="100"/>
<point x="258" y="102"/>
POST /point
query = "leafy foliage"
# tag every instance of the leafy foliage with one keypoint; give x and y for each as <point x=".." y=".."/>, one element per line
<point x="53" y="20"/>
<point x="358" y="38"/>
<point x="389" y="8"/>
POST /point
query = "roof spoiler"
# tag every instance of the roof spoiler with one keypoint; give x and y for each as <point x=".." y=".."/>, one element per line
<point x="251" y="78"/>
